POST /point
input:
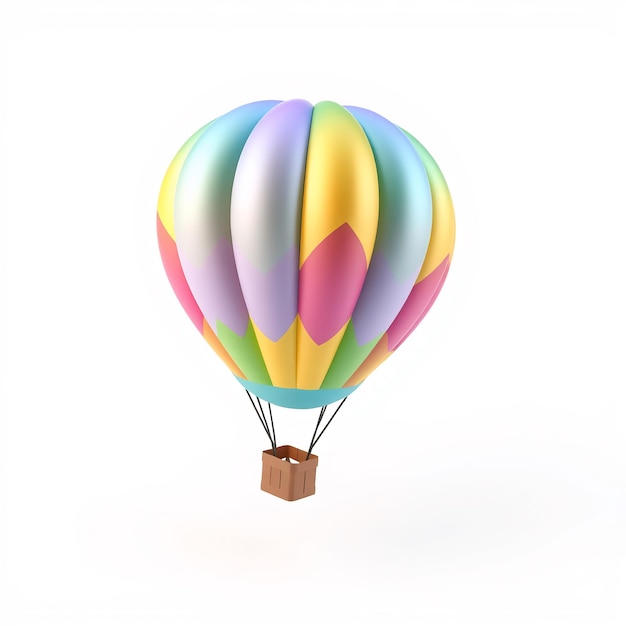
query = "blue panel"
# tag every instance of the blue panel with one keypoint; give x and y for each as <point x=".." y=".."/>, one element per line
<point x="296" y="398"/>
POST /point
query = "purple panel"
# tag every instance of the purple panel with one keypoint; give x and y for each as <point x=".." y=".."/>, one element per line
<point x="266" y="206"/>
<point x="215" y="286"/>
<point x="266" y="201"/>
<point x="272" y="295"/>
<point x="384" y="295"/>
<point x="404" y="226"/>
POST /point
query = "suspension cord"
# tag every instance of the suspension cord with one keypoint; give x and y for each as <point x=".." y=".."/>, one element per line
<point x="272" y="439"/>
<point x="319" y="421"/>
<point x="263" y="421"/>
<point x="315" y="439"/>
<point x="269" y="408"/>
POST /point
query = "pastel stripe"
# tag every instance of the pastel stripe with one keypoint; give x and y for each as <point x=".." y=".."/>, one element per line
<point x="215" y="285"/>
<point x="340" y="218"/>
<point x="244" y="350"/>
<point x="340" y="183"/>
<point x="211" y="338"/>
<point x="432" y="274"/>
<point x="279" y="356"/>
<point x="404" y="226"/>
<point x="174" y="273"/>
<point x="165" y="207"/>
<point x="271" y="296"/>
<point x="265" y="215"/>
<point x="330" y="283"/>
<point x="443" y="233"/>
<point x="202" y="216"/>
<point x="417" y="305"/>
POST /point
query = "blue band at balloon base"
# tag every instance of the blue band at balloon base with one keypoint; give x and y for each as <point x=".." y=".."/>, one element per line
<point x="296" y="398"/>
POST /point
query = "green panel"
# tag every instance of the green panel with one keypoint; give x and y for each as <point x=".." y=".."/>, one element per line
<point x="245" y="352"/>
<point x="347" y="359"/>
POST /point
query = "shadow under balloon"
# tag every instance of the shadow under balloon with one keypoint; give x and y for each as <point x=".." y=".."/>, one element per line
<point x="452" y="516"/>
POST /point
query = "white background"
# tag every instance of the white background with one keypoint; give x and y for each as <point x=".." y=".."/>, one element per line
<point x="478" y="477"/>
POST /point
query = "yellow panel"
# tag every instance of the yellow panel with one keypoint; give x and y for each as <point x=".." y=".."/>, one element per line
<point x="279" y="356"/>
<point x="340" y="183"/>
<point x="313" y="359"/>
<point x="165" y="208"/>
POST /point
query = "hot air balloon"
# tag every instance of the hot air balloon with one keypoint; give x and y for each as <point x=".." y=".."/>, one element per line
<point x="305" y="243"/>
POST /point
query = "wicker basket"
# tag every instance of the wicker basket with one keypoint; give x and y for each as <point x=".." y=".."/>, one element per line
<point x="288" y="475"/>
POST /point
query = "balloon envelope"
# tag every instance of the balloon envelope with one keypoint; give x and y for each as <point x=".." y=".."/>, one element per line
<point x="305" y="243"/>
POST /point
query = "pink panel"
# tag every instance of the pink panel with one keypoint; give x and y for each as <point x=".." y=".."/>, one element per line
<point x="417" y="305"/>
<point x="171" y="262"/>
<point x="331" y="279"/>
